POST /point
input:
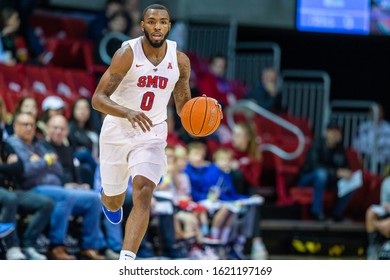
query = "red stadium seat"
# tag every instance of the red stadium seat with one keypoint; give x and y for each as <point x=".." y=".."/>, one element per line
<point x="60" y="26"/>
<point x="304" y="197"/>
<point x="63" y="84"/>
<point x="10" y="98"/>
<point x="354" y="160"/>
<point x="14" y="78"/>
<point x="14" y="84"/>
<point x="67" y="53"/>
<point x="84" y="82"/>
<point x="48" y="24"/>
<point x="38" y="80"/>
<point x="89" y="60"/>
<point x="74" y="27"/>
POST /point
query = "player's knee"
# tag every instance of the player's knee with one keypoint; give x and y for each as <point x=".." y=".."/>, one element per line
<point x="146" y="193"/>
<point x="142" y="195"/>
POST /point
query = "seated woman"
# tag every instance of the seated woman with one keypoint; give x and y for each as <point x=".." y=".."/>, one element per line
<point x="83" y="138"/>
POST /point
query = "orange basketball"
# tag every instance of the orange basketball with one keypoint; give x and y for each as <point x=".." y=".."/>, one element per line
<point x="200" y="116"/>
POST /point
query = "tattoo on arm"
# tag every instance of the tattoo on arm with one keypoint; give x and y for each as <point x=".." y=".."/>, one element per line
<point x="182" y="91"/>
<point x="113" y="82"/>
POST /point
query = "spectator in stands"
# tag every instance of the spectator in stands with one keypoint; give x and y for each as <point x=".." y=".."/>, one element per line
<point x="214" y="83"/>
<point x="191" y="223"/>
<point x="43" y="174"/>
<point x="205" y="177"/>
<point x="196" y="168"/>
<point x="12" y="46"/>
<point x="367" y="136"/>
<point x="378" y="222"/>
<point x="112" y="39"/>
<point x="14" y="200"/>
<point x="27" y="104"/>
<point x="100" y="24"/>
<point x="267" y="92"/>
<point x="134" y="11"/>
<point x="18" y="43"/>
<point x="83" y="138"/>
<point x="37" y="52"/>
<point x="247" y="164"/>
<point x="325" y="164"/>
<point x="57" y="132"/>
<point x="51" y="106"/>
<point x="219" y="174"/>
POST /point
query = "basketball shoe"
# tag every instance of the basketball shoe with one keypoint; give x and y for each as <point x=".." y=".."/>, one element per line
<point x="115" y="217"/>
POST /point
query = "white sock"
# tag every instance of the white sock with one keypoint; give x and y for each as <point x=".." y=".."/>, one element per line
<point x="127" y="255"/>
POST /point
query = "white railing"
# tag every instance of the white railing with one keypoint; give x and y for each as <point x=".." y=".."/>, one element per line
<point x="251" y="106"/>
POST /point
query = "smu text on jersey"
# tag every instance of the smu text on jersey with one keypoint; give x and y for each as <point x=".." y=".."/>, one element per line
<point x="152" y="82"/>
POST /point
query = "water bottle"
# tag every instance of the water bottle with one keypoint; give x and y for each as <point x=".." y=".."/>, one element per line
<point x="214" y="192"/>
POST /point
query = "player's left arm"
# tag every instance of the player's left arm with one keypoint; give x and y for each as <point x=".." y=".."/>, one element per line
<point x="182" y="91"/>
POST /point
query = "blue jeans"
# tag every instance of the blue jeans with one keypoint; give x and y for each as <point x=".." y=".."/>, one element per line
<point x="87" y="165"/>
<point x="85" y="203"/>
<point x="25" y="202"/>
<point x="341" y="204"/>
<point x="318" y="179"/>
<point x="85" y="156"/>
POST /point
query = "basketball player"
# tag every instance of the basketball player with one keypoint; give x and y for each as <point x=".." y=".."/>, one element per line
<point x="134" y="93"/>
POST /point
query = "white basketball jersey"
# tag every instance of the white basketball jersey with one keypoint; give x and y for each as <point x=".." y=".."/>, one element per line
<point x="148" y="88"/>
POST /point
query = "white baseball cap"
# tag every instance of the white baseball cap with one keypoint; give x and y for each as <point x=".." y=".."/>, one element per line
<point x="52" y="103"/>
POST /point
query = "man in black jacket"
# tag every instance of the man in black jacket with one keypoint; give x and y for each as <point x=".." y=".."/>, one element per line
<point x="325" y="164"/>
<point x="15" y="201"/>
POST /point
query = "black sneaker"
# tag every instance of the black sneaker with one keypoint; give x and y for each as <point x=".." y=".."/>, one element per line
<point x="318" y="217"/>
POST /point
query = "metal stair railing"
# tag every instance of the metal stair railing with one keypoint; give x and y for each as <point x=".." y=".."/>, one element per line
<point x="211" y="35"/>
<point x="250" y="105"/>
<point x="350" y="114"/>
<point x="252" y="58"/>
<point x="306" y="93"/>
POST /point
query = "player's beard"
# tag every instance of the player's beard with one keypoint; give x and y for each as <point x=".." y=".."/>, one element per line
<point x="155" y="44"/>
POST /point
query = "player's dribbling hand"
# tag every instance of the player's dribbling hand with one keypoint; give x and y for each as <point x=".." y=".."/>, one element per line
<point x="140" y="119"/>
<point x="216" y="102"/>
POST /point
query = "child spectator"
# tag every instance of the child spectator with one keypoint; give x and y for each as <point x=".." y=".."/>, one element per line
<point x="190" y="218"/>
<point x="219" y="176"/>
